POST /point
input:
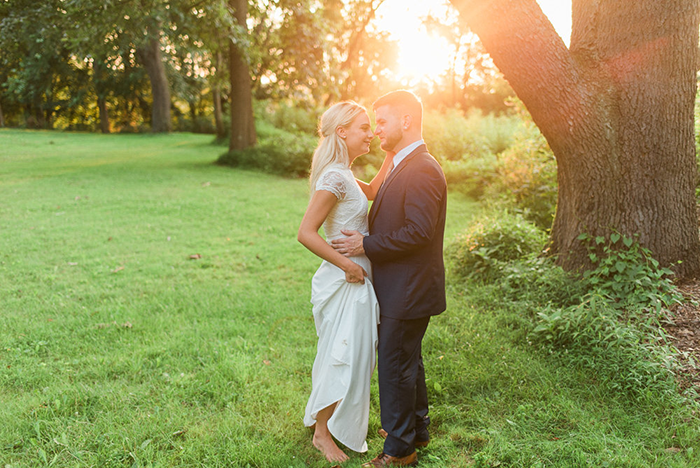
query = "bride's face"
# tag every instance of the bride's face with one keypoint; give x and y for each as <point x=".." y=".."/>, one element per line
<point x="358" y="136"/>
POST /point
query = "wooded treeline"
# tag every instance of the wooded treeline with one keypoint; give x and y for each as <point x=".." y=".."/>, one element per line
<point x="161" y="65"/>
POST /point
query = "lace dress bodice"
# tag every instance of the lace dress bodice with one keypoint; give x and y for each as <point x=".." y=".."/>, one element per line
<point x="350" y="213"/>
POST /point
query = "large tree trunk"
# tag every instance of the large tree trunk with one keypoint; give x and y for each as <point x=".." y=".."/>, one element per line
<point x="617" y="111"/>
<point x="216" y="96"/>
<point x="242" y="121"/>
<point x="152" y="59"/>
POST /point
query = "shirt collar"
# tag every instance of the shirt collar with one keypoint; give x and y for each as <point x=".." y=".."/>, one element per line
<point x="401" y="155"/>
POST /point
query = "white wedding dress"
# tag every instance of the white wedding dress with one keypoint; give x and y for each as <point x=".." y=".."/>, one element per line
<point x="346" y="317"/>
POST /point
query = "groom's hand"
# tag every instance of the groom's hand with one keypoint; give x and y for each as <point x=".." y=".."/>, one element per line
<point x="350" y="246"/>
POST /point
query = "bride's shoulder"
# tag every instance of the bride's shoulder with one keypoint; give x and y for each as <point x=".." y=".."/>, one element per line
<point x="333" y="179"/>
<point x="335" y="171"/>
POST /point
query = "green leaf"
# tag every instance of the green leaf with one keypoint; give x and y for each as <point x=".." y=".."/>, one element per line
<point x="620" y="266"/>
<point x="627" y="241"/>
<point x="614" y="237"/>
<point x="599" y="240"/>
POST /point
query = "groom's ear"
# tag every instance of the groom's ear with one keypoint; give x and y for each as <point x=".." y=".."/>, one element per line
<point x="406" y="121"/>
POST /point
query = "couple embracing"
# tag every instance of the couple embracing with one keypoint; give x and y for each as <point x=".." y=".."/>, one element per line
<point x="381" y="280"/>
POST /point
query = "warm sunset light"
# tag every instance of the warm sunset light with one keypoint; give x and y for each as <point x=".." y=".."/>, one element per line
<point x="424" y="55"/>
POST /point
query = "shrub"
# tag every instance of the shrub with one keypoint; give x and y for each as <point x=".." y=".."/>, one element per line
<point x="277" y="152"/>
<point x="538" y="281"/>
<point x="628" y="275"/>
<point x="615" y="331"/>
<point x="482" y="251"/>
<point x="471" y="176"/>
<point x="294" y="118"/>
<point x="625" y="357"/>
<point x="453" y="137"/>
<point x="527" y="176"/>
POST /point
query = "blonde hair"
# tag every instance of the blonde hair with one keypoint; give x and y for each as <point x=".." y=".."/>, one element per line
<point x="331" y="148"/>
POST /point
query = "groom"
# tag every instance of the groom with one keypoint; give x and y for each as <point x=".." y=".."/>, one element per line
<point x="406" y="229"/>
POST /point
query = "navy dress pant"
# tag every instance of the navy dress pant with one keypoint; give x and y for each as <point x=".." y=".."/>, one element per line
<point x="403" y="396"/>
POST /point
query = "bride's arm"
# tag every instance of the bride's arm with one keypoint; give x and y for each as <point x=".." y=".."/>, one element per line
<point x="321" y="204"/>
<point x="372" y="188"/>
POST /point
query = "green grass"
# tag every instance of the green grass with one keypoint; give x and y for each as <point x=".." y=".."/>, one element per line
<point x="118" y="349"/>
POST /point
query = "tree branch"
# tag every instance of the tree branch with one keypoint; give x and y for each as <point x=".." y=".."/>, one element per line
<point x="533" y="58"/>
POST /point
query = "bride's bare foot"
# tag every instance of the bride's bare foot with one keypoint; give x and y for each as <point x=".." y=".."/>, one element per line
<point x="326" y="445"/>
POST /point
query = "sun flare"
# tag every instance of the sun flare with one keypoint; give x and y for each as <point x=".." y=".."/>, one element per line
<point x="424" y="55"/>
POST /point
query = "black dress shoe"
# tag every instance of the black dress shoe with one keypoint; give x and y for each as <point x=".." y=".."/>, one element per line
<point x="387" y="460"/>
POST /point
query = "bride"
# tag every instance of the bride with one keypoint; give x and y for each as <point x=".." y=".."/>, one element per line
<point x="345" y="307"/>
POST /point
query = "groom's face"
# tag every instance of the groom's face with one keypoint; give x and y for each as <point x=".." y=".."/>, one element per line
<point x="388" y="129"/>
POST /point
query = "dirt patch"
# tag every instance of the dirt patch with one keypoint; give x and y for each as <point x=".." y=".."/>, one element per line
<point x="684" y="333"/>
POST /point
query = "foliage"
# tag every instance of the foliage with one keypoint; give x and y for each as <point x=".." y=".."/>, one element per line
<point x="484" y="249"/>
<point x="471" y="176"/>
<point x="288" y="116"/>
<point x="467" y="147"/>
<point x="626" y="355"/>
<point x="472" y="82"/>
<point x="277" y="152"/>
<point x="527" y="174"/>
<point x="454" y="137"/>
<point x="628" y="275"/>
<point x="615" y="330"/>
<point x="538" y="282"/>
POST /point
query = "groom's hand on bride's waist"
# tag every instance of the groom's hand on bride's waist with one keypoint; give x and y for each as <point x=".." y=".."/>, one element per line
<point x="350" y="246"/>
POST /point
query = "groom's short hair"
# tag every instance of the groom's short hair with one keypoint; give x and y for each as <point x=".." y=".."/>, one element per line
<point x="402" y="99"/>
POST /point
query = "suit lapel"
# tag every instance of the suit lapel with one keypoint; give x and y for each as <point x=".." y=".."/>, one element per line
<point x="380" y="194"/>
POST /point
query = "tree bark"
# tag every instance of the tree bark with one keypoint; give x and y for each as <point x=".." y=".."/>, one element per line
<point x="216" y="96"/>
<point x="152" y="59"/>
<point x="2" y="117"/>
<point x="242" y="121"/>
<point x="99" y="70"/>
<point x="104" y="115"/>
<point x="617" y="111"/>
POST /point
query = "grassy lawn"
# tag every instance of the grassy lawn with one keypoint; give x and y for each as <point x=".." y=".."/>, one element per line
<point x="118" y="348"/>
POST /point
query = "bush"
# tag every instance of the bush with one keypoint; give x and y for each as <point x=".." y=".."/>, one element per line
<point x="453" y="137"/>
<point x="615" y="330"/>
<point x="470" y="176"/>
<point x="483" y="250"/>
<point x="541" y="283"/>
<point x="277" y="152"/>
<point x="527" y="176"/>
<point x="628" y="275"/>
<point x="294" y="118"/>
<point x="625" y="357"/>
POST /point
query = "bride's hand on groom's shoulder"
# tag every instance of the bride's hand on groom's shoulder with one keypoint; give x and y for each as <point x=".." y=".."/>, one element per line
<point x="349" y="246"/>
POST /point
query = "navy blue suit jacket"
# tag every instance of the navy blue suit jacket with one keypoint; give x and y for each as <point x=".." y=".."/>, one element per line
<point x="406" y="231"/>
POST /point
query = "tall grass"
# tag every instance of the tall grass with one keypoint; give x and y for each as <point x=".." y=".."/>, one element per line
<point x="154" y="311"/>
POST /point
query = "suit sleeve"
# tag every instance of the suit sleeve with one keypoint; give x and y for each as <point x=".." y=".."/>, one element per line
<point x="423" y="203"/>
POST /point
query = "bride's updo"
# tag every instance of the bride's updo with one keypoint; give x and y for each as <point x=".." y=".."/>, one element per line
<point x="331" y="148"/>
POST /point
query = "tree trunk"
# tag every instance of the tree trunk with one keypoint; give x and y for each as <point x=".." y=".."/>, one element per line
<point x="151" y="58"/>
<point x="99" y="70"/>
<point x="216" y="96"/>
<point x="104" y="115"/>
<point x="2" y="117"/>
<point x="617" y="111"/>
<point x="242" y="121"/>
